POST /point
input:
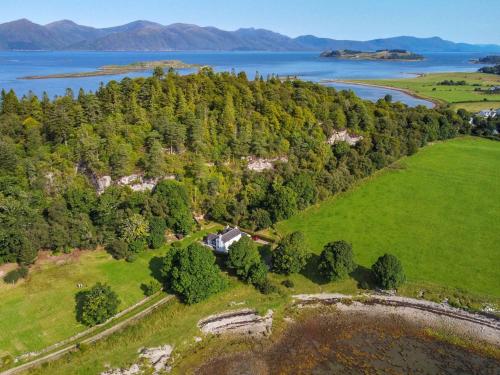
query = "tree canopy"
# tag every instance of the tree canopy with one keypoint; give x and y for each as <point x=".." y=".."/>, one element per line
<point x="291" y="254"/>
<point x="336" y="261"/>
<point x="388" y="272"/>
<point x="97" y="305"/>
<point x="192" y="273"/>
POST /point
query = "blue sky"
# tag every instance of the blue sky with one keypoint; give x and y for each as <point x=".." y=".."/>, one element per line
<point x="475" y="21"/>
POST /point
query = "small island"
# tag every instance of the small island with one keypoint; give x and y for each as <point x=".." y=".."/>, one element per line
<point x="385" y="54"/>
<point x="111" y="70"/>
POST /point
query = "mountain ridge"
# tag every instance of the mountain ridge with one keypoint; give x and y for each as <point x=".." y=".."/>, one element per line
<point x="143" y="35"/>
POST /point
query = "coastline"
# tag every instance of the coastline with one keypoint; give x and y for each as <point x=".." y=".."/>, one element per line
<point x="476" y="326"/>
<point x="434" y="102"/>
<point x="344" y="331"/>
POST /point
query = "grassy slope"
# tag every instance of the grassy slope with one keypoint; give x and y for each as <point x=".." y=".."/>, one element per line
<point x="40" y="311"/>
<point x="424" y="86"/>
<point x="437" y="214"/>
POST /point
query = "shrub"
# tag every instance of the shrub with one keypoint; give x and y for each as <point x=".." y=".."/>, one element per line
<point x="23" y="271"/>
<point x="336" y="261"/>
<point x="257" y="273"/>
<point x="266" y="287"/>
<point x="288" y="283"/>
<point x="131" y="257"/>
<point x="137" y="246"/>
<point x="364" y="285"/>
<point x="96" y="305"/>
<point x="388" y="272"/>
<point x="6" y="361"/>
<point x="151" y="288"/>
<point x="118" y="249"/>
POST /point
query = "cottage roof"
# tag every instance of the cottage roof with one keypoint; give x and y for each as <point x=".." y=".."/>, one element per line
<point x="211" y="237"/>
<point x="229" y="233"/>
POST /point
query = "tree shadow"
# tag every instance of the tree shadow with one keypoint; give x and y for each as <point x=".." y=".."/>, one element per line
<point x="363" y="277"/>
<point x="79" y="300"/>
<point x="155" y="266"/>
<point x="266" y="254"/>
<point x="311" y="270"/>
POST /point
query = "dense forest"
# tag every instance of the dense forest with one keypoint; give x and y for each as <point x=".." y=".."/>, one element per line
<point x="191" y="138"/>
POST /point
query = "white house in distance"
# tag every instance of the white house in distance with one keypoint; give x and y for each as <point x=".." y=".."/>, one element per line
<point x="221" y="241"/>
<point x="488" y="113"/>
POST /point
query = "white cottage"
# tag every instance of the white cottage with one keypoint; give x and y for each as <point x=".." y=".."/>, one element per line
<point x="220" y="242"/>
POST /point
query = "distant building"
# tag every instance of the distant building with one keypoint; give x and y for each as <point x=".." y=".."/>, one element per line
<point x="221" y="241"/>
<point x="487" y="113"/>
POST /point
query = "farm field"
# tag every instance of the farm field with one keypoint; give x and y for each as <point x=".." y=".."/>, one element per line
<point x="427" y="87"/>
<point x="40" y="311"/>
<point x="435" y="210"/>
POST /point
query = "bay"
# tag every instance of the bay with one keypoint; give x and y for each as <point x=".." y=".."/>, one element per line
<point x="305" y="65"/>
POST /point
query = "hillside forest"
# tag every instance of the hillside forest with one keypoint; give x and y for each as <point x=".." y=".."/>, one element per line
<point x="136" y="159"/>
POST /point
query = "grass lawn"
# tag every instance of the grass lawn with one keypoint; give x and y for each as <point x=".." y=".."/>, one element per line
<point x="40" y="311"/>
<point x="426" y="86"/>
<point x="438" y="211"/>
<point x="476" y="106"/>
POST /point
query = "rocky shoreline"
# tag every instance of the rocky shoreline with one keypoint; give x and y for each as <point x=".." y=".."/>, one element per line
<point x="482" y="327"/>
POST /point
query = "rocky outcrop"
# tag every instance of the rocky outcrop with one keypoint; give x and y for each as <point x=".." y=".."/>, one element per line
<point x="156" y="362"/>
<point x="245" y="321"/>
<point x="344" y="136"/>
<point x="261" y="164"/>
<point x="136" y="182"/>
<point x="101" y="183"/>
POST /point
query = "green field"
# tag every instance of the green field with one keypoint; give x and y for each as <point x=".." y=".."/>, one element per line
<point x="426" y="86"/>
<point x="438" y="211"/>
<point x="41" y="311"/>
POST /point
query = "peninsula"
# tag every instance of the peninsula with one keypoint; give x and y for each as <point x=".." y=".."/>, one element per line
<point x="491" y="59"/>
<point x="386" y="54"/>
<point x="111" y="70"/>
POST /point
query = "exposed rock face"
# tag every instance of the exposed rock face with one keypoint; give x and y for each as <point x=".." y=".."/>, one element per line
<point x="157" y="359"/>
<point x="102" y="183"/>
<point x="344" y="136"/>
<point x="132" y="370"/>
<point x="260" y="164"/>
<point x="245" y="321"/>
<point x="136" y="182"/>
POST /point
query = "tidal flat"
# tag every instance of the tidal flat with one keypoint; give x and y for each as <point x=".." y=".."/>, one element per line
<point x="334" y="342"/>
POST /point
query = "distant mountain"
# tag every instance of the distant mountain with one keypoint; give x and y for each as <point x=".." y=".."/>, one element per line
<point x="149" y="36"/>
<point x="24" y="34"/>
<point x="68" y="32"/>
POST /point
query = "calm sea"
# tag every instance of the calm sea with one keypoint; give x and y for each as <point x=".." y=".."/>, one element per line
<point x="306" y="65"/>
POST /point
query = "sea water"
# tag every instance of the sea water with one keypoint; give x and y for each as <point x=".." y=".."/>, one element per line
<point x="305" y="65"/>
